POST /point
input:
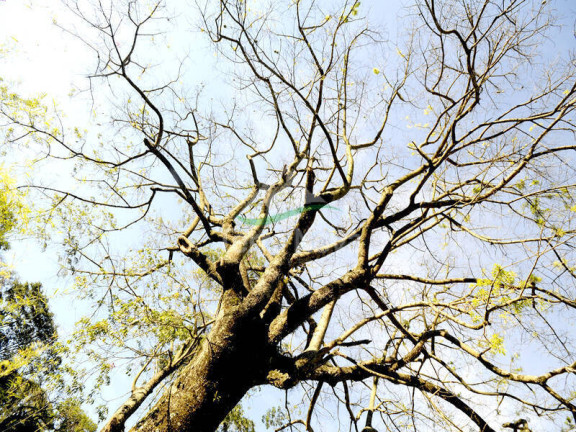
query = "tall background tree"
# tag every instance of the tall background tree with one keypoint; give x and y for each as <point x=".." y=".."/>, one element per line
<point x="31" y="368"/>
<point x="32" y="377"/>
<point x="381" y="225"/>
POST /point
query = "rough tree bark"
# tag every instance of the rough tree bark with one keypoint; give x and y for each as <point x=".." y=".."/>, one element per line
<point x="232" y="359"/>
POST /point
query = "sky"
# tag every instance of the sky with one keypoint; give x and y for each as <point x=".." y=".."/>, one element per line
<point x="42" y="59"/>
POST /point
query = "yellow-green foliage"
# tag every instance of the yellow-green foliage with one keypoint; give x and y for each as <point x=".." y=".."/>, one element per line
<point x="7" y="207"/>
<point x="13" y="214"/>
<point x="21" y="110"/>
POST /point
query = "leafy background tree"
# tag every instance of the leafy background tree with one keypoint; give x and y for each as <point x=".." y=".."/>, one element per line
<point x="31" y="370"/>
<point x="30" y="358"/>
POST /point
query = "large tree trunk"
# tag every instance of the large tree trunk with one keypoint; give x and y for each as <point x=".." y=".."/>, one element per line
<point x="232" y="359"/>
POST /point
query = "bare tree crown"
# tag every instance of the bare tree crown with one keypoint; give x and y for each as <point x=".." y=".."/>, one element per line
<point x="335" y="206"/>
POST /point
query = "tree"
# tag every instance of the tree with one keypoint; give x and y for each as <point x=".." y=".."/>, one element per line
<point x="30" y="358"/>
<point x="26" y="317"/>
<point x="29" y="355"/>
<point x="25" y="406"/>
<point x="353" y="208"/>
<point x="24" y="322"/>
<point x="71" y="417"/>
<point x="26" y="330"/>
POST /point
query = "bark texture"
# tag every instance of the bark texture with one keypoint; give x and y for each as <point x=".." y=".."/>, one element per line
<point x="231" y="360"/>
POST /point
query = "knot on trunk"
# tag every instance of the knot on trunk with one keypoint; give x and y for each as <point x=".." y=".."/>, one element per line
<point x="280" y="379"/>
<point x="185" y="245"/>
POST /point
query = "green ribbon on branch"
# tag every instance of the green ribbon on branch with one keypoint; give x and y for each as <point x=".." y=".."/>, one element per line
<point x="285" y="215"/>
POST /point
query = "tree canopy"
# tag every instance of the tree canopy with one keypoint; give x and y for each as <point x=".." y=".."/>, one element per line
<point x="31" y="370"/>
<point x="282" y="194"/>
<point x="30" y="357"/>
